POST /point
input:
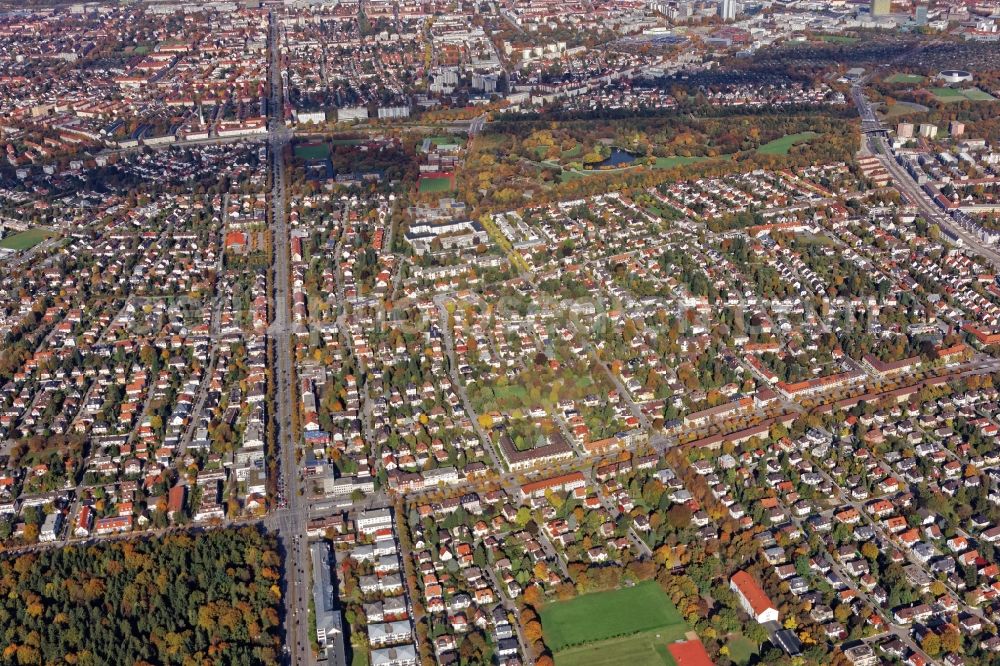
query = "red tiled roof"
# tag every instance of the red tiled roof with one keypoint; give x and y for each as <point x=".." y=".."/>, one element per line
<point x="752" y="592"/>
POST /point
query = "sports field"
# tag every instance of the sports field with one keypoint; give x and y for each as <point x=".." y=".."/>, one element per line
<point x="435" y="184"/>
<point x="977" y="95"/>
<point x="630" y="626"/>
<point x="25" y="240"/>
<point x="784" y="144"/>
<point x="647" y="648"/>
<point x="948" y="95"/>
<point x="899" y="77"/>
<point x="312" y="151"/>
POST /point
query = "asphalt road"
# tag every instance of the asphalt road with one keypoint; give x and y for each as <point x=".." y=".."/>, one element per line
<point x="290" y="521"/>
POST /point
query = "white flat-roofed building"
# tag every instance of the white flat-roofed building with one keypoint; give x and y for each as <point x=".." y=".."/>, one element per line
<point x="389" y="633"/>
<point x="373" y="520"/>
<point x="401" y="655"/>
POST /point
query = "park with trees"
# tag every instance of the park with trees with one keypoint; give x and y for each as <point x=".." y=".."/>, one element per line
<point x="211" y="597"/>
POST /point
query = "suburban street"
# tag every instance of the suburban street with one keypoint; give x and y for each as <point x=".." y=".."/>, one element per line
<point x="914" y="193"/>
<point x="464" y="334"/>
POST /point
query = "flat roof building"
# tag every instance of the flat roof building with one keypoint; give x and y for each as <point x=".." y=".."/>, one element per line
<point x="329" y="626"/>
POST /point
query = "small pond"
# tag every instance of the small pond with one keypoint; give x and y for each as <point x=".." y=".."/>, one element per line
<point x="618" y="158"/>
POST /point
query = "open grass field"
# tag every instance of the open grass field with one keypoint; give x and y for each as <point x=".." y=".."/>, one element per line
<point x="661" y="163"/>
<point x="647" y="648"/>
<point x="977" y="95"/>
<point x="575" y="151"/>
<point x="514" y="395"/>
<point x="603" y="616"/>
<point x="839" y="39"/>
<point x="677" y="160"/>
<point x="312" y="151"/>
<point x="904" y="108"/>
<point x="447" y="140"/>
<point x="25" y="240"/>
<point x="569" y="174"/>
<point x="436" y="184"/>
<point x="574" y="174"/>
<point x="899" y="77"/>
<point x="784" y="144"/>
<point x="741" y="648"/>
<point x="663" y="212"/>
<point x="948" y="95"/>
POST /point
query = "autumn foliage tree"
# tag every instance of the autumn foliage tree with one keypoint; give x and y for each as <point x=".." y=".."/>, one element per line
<point x="210" y="599"/>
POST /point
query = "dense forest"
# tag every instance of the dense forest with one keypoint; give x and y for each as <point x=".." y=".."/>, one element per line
<point x="210" y="598"/>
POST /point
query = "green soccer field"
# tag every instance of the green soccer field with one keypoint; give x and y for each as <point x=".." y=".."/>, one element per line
<point x="904" y="78"/>
<point x="648" y="648"/>
<point x="312" y="151"/>
<point x="618" y="614"/>
<point x="949" y="95"/>
<point x="25" y="240"/>
<point x="977" y="95"/>
<point x="434" y="185"/>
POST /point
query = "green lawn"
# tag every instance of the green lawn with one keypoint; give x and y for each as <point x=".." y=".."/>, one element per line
<point x="346" y="142"/>
<point x="447" y="140"/>
<point x="741" y="648"/>
<point x="511" y="393"/>
<point x="601" y="616"/>
<point x="839" y="39"/>
<point x="977" y="95"/>
<point x="660" y="163"/>
<point x="784" y="144"/>
<point x="312" y="151"/>
<point x="903" y="109"/>
<point x="575" y="151"/>
<point x="647" y="648"/>
<point x="25" y="240"/>
<point x="677" y="160"/>
<point x="663" y="211"/>
<point x="899" y="77"/>
<point x="946" y="94"/>
<point x="360" y="657"/>
<point x="434" y="185"/>
<point x="949" y="95"/>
